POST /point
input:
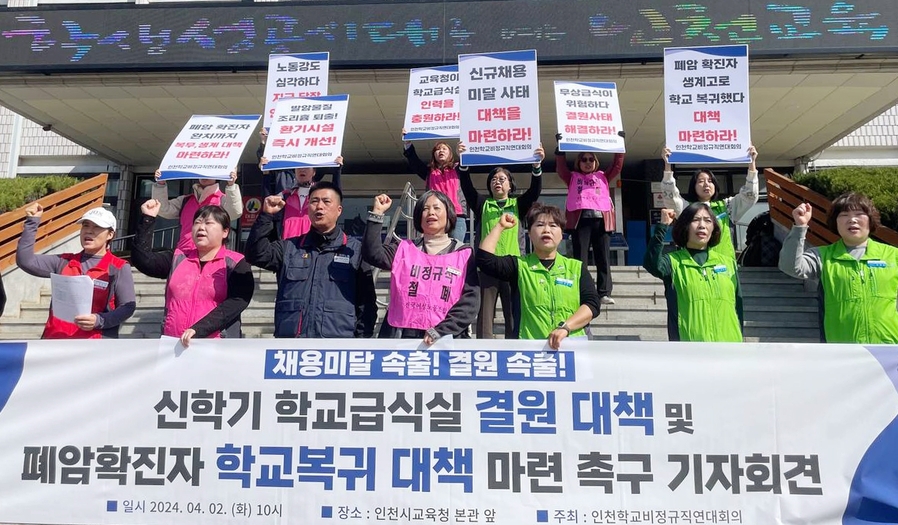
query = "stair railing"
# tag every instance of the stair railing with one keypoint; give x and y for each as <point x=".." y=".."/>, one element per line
<point x="404" y="212"/>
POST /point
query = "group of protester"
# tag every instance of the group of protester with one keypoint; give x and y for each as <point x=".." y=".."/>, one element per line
<point x="439" y="285"/>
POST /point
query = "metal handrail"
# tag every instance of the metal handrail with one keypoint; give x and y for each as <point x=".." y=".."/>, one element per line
<point x="403" y="212"/>
<point x="118" y="244"/>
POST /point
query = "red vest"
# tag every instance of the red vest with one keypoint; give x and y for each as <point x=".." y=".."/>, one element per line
<point x="104" y="297"/>
<point x="192" y="292"/>
<point x="188" y="210"/>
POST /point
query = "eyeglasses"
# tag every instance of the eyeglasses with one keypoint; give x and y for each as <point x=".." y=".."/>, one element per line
<point x="500" y="179"/>
<point x="588" y="159"/>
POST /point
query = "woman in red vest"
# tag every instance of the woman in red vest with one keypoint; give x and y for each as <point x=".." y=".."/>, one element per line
<point x="434" y="288"/>
<point x="113" y="299"/>
<point x="204" y="193"/>
<point x="208" y="286"/>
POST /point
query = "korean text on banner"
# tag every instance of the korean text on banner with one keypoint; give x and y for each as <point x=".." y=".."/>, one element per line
<point x="588" y="116"/>
<point x="295" y="76"/>
<point x="306" y="132"/>
<point x="431" y="111"/>
<point x="499" y="107"/>
<point x="706" y="111"/>
<point x="208" y="147"/>
<point x="297" y="431"/>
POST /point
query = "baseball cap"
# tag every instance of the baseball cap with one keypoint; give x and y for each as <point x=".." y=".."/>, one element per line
<point x="99" y="216"/>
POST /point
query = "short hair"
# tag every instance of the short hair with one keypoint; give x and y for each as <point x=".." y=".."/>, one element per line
<point x="451" y="219"/>
<point x="580" y="158"/>
<point x="680" y="232"/>
<point x="539" y="208"/>
<point x="217" y="213"/>
<point x="852" y="202"/>
<point x="325" y="185"/>
<point x="496" y="171"/>
<point x="691" y="196"/>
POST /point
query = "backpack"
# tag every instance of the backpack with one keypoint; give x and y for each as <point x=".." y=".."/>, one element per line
<point x="762" y="249"/>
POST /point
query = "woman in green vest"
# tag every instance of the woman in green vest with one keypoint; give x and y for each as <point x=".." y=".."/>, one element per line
<point x="703" y="187"/>
<point x="558" y="296"/>
<point x="858" y="276"/>
<point x="488" y="208"/>
<point x="702" y="290"/>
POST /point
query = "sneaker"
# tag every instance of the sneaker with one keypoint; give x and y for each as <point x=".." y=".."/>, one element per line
<point x="607" y="300"/>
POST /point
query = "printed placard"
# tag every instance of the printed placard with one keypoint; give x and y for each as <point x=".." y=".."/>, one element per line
<point x="235" y="431"/>
<point x="295" y="76"/>
<point x="588" y="117"/>
<point x="499" y="107"/>
<point x="431" y="111"/>
<point x="208" y="147"/>
<point x="706" y="110"/>
<point x="306" y="132"/>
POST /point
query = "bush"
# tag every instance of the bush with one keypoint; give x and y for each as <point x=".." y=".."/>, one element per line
<point x="880" y="184"/>
<point x="15" y="193"/>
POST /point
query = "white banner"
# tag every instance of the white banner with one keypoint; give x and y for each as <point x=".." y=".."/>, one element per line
<point x="706" y="111"/>
<point x="315" y="432"/>
<point x="208" y="147"/>
<point x="431" y="110"/>
<point x="588" y="117"/>
<point x="306" y="132"/>
<point x="499" y="107"/>
<point x="294" y="76"/>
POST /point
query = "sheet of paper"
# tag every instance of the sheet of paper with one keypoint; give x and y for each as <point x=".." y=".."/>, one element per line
<point x="72" y="295"/>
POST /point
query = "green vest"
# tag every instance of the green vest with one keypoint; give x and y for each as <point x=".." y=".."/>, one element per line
<point x="489" y="217"/>
<point x="706" y="297"/>
<point x="548" y="297"/>
<point x="859" y="296"/>
<point x="725" y="247"/>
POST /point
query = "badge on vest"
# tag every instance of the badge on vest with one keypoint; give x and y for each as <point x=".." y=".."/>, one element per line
<point x="564" y="282"/>
<point x="102" y="285"/>
<point x="342" y="259"/>
<point x="720" y="268"/>
<point x="454" y="271"/>
<point x="876" y="264"/>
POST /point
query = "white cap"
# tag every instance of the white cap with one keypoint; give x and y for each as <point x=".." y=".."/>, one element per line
<point x="99" y="216"/>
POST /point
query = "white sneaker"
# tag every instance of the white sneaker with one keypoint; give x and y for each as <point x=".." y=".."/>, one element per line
<point x="607" y="300"/>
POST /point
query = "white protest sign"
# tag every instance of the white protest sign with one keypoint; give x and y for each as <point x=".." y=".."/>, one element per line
<point x="306" y="132"/>
<point x="294" y="76"/>
<point x="588" y="117"/>
<point x="431" y="111"/>
<point x="208" y="147"/>
<point x="499" y="107"/>
<point x="706" y="110"/>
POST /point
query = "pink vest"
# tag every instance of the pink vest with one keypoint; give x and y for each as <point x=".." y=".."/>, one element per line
<point x="192" y="292"/>
<point x="423" y="288"/>
<point x="588" y="191"/>
<point x="188" y="210"/>
<point x="296" y="217"/>
<point x="446" y="181"/>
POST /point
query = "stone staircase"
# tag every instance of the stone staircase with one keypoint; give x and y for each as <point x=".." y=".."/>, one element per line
<point x="777" y="309"/>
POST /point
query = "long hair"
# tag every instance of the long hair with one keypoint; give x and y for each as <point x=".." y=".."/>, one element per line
<point x="433" y="156"/>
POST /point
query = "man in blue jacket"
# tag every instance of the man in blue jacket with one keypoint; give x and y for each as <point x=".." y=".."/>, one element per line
<point x="324" y="289"/>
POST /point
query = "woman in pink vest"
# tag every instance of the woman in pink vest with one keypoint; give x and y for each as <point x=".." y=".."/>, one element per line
<point x="208" y="285"/>
<point x="434" y="288"/>
<point x="113" y="293"/>
<point x="590" y="213"/>
<point x="206" y="192"/>
<point x="294" y="218"/>
<point x="441" y="174"/>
